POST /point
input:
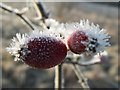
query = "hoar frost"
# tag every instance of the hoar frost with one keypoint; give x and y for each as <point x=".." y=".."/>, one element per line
<point x="98" y="39"/>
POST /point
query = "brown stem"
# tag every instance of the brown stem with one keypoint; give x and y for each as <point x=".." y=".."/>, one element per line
<point x="58" y="77"/>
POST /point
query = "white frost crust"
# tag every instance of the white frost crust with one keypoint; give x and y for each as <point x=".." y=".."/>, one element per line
<point x="49" y="23"/>
<point x="56" y="32"/>
<point x="17" y="44"/>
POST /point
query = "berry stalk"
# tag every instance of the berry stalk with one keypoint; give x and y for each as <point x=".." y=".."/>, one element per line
<point x="58" y="77"/>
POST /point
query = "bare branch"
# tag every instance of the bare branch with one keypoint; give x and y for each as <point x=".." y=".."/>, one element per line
<point x="42" y="13"/>
<point x="16" y="12"/>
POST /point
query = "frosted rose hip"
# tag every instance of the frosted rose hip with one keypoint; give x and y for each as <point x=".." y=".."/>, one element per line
<point x="75" y="42"/>
<point x="39" y="49"/>
<point x="85" y="37"/>
<point x="45" y="52"/>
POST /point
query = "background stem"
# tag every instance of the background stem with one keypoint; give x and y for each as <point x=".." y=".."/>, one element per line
<point x="81" y="77"/>
<point x="41" y="11"/>
<point x="16" y="12"/>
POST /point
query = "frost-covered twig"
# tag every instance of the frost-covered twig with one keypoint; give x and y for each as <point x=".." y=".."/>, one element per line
<point x="18" y="13"/>
<point x="97" y="59"/>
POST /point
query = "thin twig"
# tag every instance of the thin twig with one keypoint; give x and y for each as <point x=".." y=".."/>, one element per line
<point x="87" y="63"/>
<point x="16" y="12"/>
<point x="81" y="77"/>
<point x="41" y="11"/>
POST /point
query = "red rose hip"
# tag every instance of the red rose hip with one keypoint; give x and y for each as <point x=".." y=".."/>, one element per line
<point x="86" y="38"/>
<point x="45" y="52"/>
<point x="75" y="42"/>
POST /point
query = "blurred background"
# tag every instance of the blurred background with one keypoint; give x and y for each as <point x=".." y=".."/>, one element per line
<point x="19" y="75"/>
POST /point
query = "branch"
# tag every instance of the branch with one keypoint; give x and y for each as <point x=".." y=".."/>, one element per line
<point x="20" y="15"/>
<point x="42" y="13"/>
<point x="81" y="77"/>
<point x="87" y="63"/>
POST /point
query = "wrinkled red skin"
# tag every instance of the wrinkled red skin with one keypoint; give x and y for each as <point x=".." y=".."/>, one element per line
<point x="74" y="42"/>
<point x="45" y="53"/>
